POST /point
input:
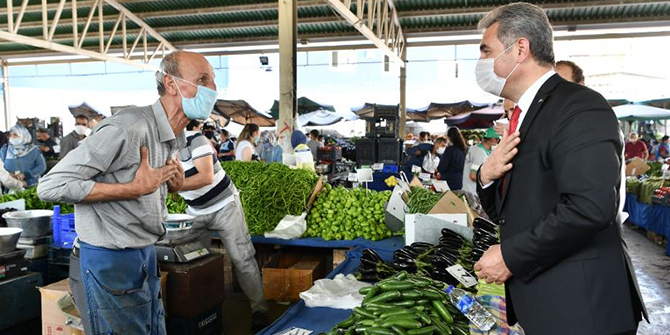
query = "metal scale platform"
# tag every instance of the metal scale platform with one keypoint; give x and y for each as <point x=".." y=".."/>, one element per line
<point x="179" y="246"/>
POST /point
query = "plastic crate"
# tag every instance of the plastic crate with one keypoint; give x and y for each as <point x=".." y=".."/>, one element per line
<point x="63" y="228"/>
<point x="390" y="168"/>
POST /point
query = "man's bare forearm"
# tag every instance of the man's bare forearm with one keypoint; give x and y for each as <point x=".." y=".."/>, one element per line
<point x="112" y="192"/>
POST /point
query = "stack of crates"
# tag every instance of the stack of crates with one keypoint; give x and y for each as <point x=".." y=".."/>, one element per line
<point x="63" y="239"/>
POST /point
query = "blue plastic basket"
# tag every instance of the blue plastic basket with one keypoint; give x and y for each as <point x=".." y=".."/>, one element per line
<point x="63" y="228"/>
<point x="389" y="168"/>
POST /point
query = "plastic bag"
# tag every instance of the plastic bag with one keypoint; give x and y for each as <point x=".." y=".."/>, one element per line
<point x="430" y="163"/>
<point x="340" y="292"/>
<point x="290" y="227"/>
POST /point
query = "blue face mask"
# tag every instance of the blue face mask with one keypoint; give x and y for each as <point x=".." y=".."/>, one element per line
<point x="200" y="106"/>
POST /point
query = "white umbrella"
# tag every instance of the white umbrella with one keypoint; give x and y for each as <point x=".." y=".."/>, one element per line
<point x="319" y="118"/>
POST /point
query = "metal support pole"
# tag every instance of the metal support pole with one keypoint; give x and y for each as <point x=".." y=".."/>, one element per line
<point x="5" y="92"/>
<point x="288" y="34"/>
<point x="403" y="95"/>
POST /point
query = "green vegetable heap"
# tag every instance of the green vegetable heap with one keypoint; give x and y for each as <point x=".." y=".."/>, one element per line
<point x="421" y="200"/>
<point x="270" y="191"/>
<point x="404" y="304"/>
<point x="340" y="213"/>
<point x="34" y="202"/>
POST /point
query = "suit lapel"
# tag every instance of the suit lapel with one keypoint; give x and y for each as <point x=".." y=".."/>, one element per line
<point x="534" y="109"/>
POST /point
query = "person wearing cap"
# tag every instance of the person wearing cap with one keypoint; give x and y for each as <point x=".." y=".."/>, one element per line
<point x="72" y="140"/>
<point x="475" y="157"/>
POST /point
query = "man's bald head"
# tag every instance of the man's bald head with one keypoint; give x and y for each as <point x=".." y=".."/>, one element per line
<point x="182" y="64"/>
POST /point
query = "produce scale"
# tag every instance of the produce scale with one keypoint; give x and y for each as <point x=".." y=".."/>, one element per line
<point x="179" y="246"/>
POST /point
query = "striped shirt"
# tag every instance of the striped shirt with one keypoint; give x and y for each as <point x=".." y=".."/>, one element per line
<point x="210" y="198"/>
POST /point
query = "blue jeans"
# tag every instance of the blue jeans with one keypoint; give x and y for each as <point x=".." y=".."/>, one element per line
<point x="122" y="290"/>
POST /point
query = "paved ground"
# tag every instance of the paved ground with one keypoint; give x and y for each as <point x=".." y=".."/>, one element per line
<point x="652" y="267"/>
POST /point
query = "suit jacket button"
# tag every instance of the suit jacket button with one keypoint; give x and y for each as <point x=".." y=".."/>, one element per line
<point x="502" y="222"/>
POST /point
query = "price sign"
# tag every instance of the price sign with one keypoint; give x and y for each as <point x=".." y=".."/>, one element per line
<point x="353" y="177"/>
<point x="378" y="166"/>
<point x="416" y="169"/>
<point x="424" y="176"/>
<point x="462" y="275"/>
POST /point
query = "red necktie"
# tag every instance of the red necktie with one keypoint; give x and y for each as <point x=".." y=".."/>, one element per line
<point x="514" y="122"/>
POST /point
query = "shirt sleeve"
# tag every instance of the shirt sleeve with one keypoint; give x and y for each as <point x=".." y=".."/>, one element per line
<point x="71" y="180"/>
<point x="201" y="147"/>
<point x="7" y="180"/>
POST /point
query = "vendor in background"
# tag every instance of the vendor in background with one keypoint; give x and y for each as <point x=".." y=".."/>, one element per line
<point x="71" y="141"/>
<point x="270" y="151"/>
<point x="452" y="159"/>
<point x="246" y="143"/>
<point x="416" y="155"/>
<point x="227" y="147"/>
<point x="46" y="144"/>
<point x="21" y="158"/>
<point x="663" y="149"/>
<point x="313" y="142"/>
<point x="213" y="199"/>
<point x="475" y="157"/>
<point x="636" y="148"/>
<point x="432" y="159"/>
<point x="301" y="152"/>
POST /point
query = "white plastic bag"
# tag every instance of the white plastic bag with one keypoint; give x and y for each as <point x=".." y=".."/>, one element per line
<point x="340" y="292"/>
<point x="289" y="227"/>
<point x="430" y="163"/>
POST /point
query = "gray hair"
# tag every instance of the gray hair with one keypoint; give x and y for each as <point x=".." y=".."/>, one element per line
<point x="523" y="20"/>
<point x="170" y="66"/>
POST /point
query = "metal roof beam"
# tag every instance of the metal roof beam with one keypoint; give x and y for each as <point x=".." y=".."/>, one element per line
<point x="390" y="41"/>
<point x="74" y="44"/>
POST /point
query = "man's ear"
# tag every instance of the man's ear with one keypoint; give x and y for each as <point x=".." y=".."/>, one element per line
<point x="524" y="50"/>
<point x="170" y="84"/>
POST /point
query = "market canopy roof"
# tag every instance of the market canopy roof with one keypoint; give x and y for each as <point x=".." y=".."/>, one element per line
<point x="481" y="118"/>
<point x="635" y="112"/>
<point x="239" y="111"/>
<point x="85" y="110"/>
<point x="319" y="118"/>
<point x="305" y="105"/>
<point x="436" y="110"/>
<point x="211" y="22"/>
<point x="367" y="111"/>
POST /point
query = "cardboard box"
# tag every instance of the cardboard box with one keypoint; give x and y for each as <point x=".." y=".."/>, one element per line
<point x="636" y="167"/>
<point x="54" y="319"/>
<point x="450" y="203"/>
<point x="289" y="274"/>
<point x="194" y="287"/>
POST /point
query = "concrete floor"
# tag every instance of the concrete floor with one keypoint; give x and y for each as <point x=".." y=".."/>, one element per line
<point x="652" y="267"/>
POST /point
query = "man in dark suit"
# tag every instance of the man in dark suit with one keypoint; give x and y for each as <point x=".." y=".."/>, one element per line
<point x="553" y="186"/>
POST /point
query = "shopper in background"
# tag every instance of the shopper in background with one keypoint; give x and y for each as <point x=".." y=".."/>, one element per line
<point x="636" y="148"/>
<point x="302" y="154"/>
<point x="416" y="155"/>
<point x="71" y="141"/>
<point x="9" y="181"/>
<point x="570" y="71"/>
<point x="21" y="158"/>
<point x="270" y="152"/>
<point x="213" y="199"/>
<point x="322" y="141"/>
<point x="313" y="142"/>
<point x="553" y="186"/>
<point x="246" y="143"/>
<point x="433" y="158"/>
<point x="663" y="149"/>
<point x="209" y="131"/>
<point x="475" y="157"/>
<point x="227" y="147"/>
<point x="46" y="144"/>
<point x="118" y="179"/>
<point x="452" y="159"/>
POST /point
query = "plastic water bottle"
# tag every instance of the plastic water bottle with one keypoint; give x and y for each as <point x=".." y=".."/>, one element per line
<point x="467" y="304"/>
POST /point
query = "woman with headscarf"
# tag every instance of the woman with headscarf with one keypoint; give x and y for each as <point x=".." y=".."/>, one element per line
<point x="269" y="151"/>
<point x="301" y="152"/>
<point x="22" y="157"/>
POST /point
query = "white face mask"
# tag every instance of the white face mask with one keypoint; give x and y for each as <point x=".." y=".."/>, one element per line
<point x="487" y="79"/>
<point x="16" y="141"/>
<point x="440" y="151"/>
<point x="80" y="130"/>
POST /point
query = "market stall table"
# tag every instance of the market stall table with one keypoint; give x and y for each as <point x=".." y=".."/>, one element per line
<point x="655" y="218"/>
<point x="389" y="244"/>
<point x="322" y="319"/>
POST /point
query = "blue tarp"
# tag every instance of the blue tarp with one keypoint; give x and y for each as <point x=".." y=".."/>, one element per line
<point x="389" y="244"/>
<point x="322" y="319"/>
<point x="654" y="218"/>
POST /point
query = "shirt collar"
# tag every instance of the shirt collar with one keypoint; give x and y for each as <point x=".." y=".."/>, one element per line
<point x="165" y="133"/>
<point x="528" y="96"/>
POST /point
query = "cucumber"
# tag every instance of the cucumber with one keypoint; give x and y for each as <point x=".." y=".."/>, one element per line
<point x="422" y="331"/>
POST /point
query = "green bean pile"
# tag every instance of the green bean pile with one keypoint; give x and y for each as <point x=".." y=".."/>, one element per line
<point x="270" y="191"/>
<point x="421" y="200"/>
<point x="34" y="202"/>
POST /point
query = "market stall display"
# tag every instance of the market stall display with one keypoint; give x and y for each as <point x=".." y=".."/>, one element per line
<point x="34" y="202"/>
<point x="339" y="213"/>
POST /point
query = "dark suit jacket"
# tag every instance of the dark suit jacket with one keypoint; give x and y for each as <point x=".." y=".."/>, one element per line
<point x="560" y="236"/>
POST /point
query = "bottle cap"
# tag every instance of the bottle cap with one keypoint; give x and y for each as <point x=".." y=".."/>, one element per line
<point x="450" y="288"/>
